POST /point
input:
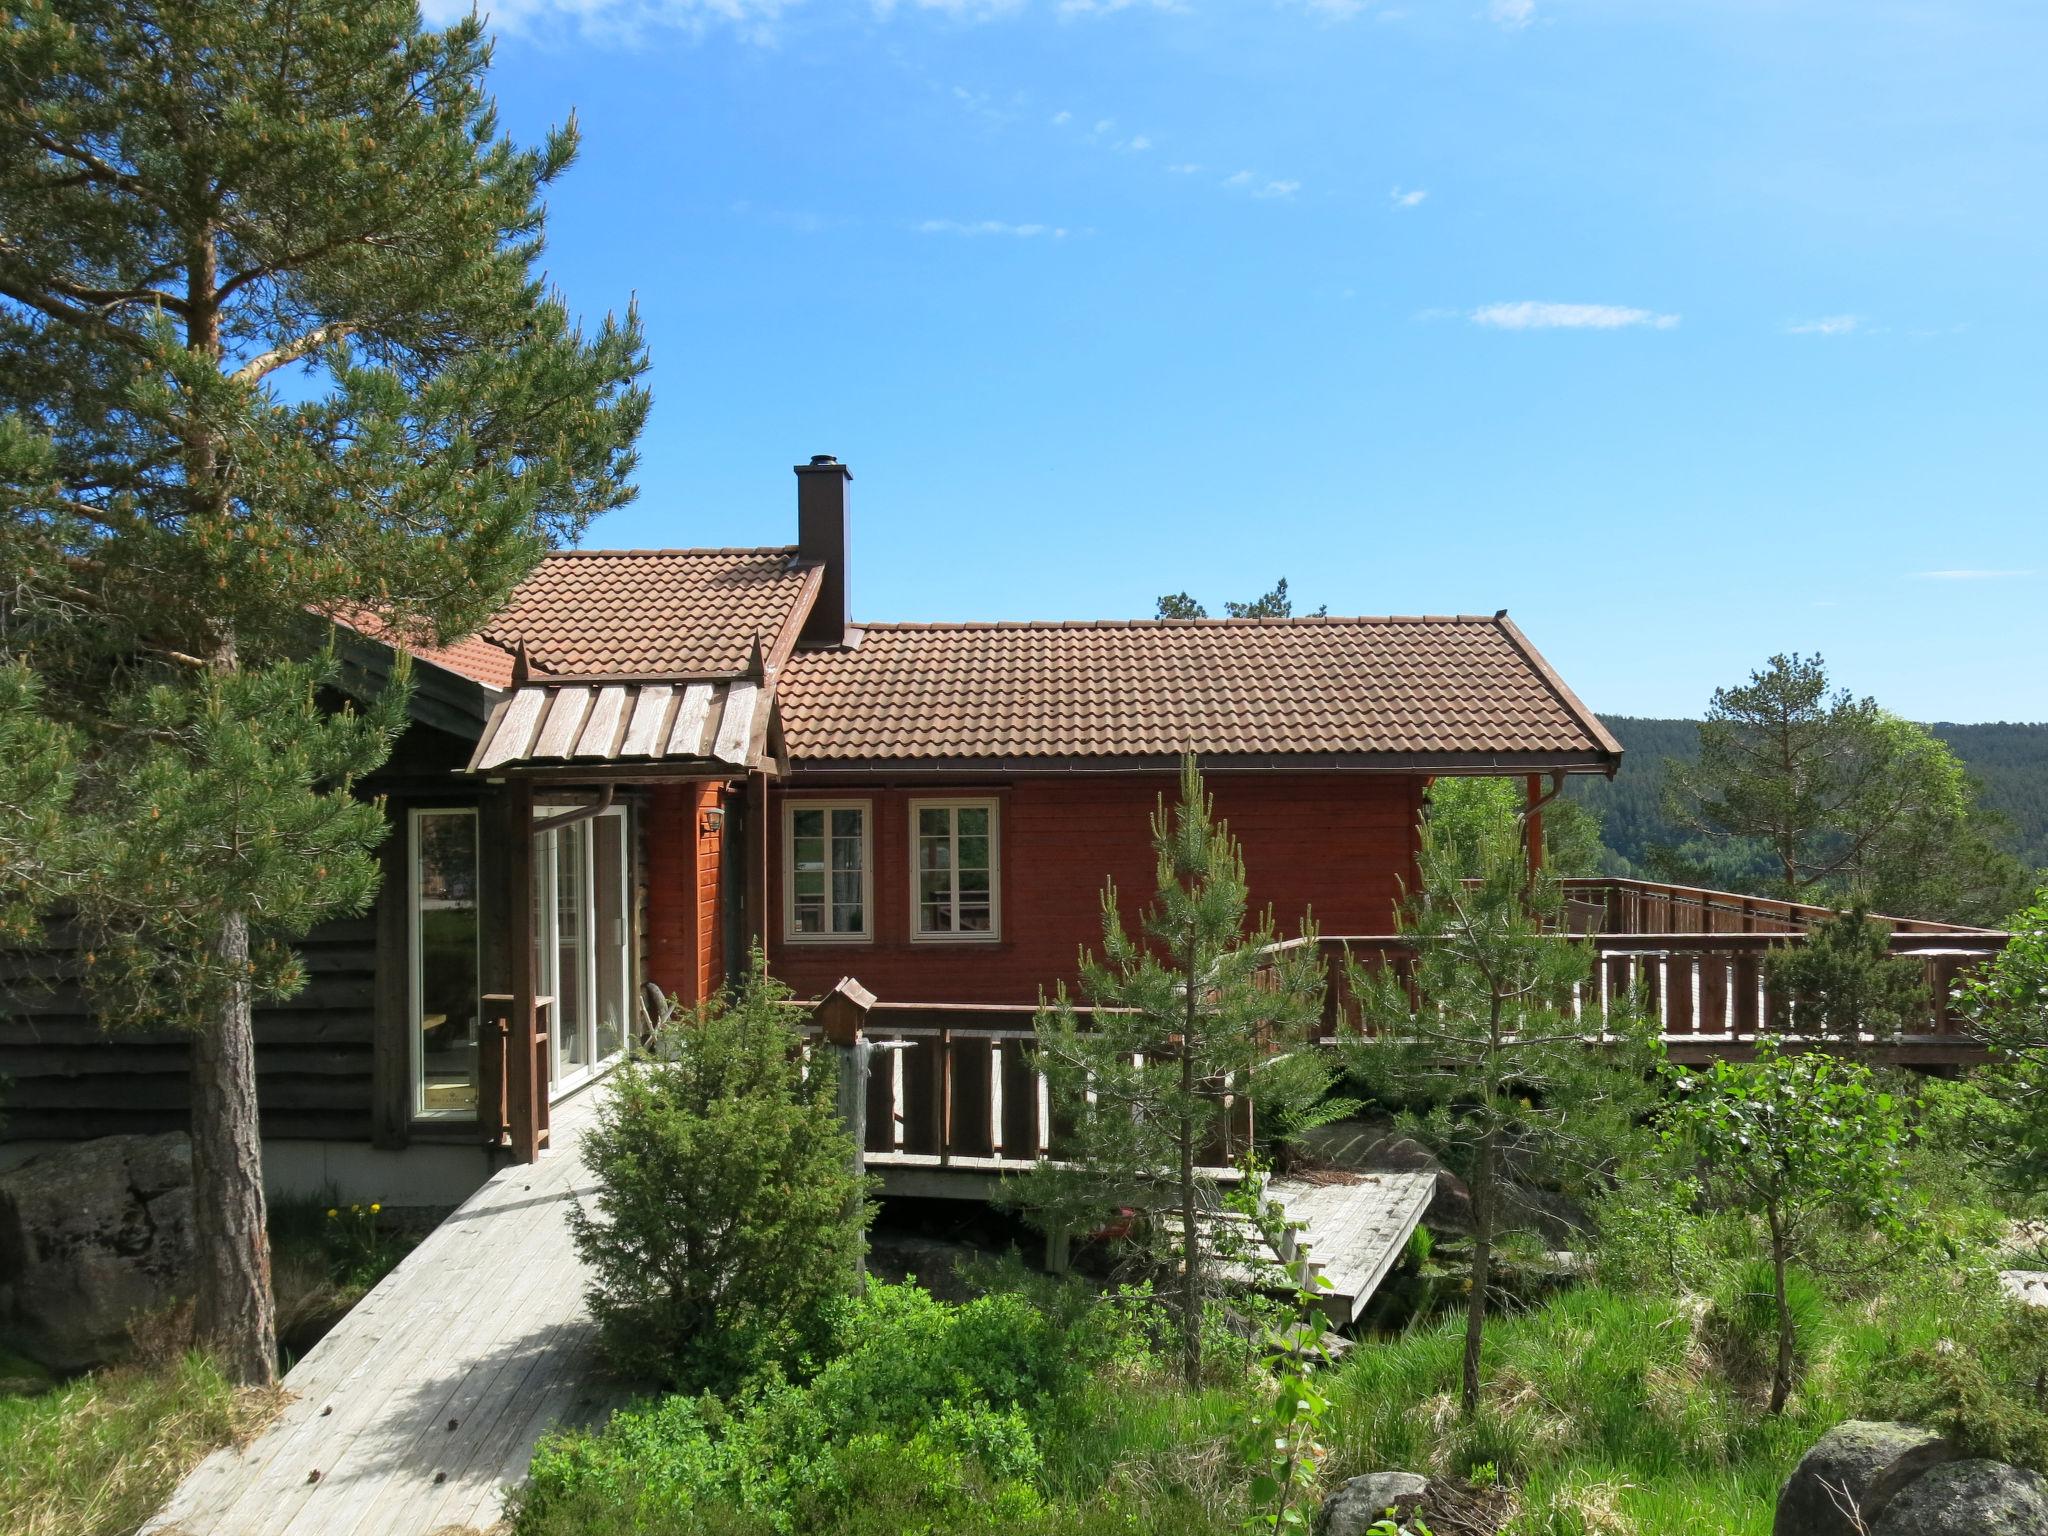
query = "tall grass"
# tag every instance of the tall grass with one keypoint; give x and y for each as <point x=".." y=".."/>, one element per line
<point x="98" y="1456"/>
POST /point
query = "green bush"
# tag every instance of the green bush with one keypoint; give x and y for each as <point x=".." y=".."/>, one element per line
<point x="929" y="1416"/>
<point x="729" y="1216"/>
<point x="1845" y="981"/>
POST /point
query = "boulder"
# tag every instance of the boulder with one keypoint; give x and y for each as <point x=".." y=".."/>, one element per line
<point x="1362" y="1502"/>
<point x="2029" y="1287"/>
<point x="1852" y="1475"/>
<point x="90" y="1236"/>
<point x="1969" y="1498"/>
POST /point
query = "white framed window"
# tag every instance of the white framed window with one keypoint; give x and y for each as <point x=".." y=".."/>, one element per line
<point x="828" y="871"/>
<point x="955" y="865"/>
<point x="443" y="1001"/>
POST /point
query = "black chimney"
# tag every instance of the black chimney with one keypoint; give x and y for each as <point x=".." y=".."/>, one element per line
<point x="821" y="536"/>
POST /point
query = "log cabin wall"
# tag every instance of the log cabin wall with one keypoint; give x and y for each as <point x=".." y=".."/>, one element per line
<point x="1337" y="844"/>
<point x="65" y="1078"/>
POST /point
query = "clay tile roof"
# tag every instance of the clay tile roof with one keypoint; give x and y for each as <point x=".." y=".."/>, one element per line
<point x="1418" y="688"/>
<point x="668" y="612"/>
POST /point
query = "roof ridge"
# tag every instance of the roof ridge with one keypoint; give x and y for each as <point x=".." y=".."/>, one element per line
<point x="761" y="549"/>
<point x="1305" y="619"/>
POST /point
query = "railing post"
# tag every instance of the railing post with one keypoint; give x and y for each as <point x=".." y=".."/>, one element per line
<point x="841" y="1018"/>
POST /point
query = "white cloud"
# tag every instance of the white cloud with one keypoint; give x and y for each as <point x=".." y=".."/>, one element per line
<point x="1108" y="7"/>
<point x="1104" y="124"/>
<point x="1827" y="325"/>
<point x="1184" y="168"/>
<point x="991" y="227"/>
<point x="1534" y="315"/>
<point x="1061" y="119"/>
<point x="1511" y="14"/>
<point x="620" y="21"/>
<point x="1970" y="575"/>
<point x="1411" y="198"/>
<point x="1136" y="145"/>
<point x="1238" y="179"/>
<point x="1277" y="189"/>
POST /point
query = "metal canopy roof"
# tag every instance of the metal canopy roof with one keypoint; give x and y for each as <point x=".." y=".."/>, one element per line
<point x="710" y="727"/>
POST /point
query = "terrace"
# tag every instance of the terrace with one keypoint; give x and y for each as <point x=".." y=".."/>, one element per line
<point x="951" y="1088"/>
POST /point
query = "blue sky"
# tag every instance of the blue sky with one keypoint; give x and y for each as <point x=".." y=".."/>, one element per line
<point x="1686" y="330"/>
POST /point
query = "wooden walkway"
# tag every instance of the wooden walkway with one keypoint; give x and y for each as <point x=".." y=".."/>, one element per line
<point x="421" y="1409"/>
<point x="1353" y="1232"/>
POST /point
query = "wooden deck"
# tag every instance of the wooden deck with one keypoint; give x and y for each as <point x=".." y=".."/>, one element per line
<point x="421" y="1409"/>
<point x="1352" y="1233"/>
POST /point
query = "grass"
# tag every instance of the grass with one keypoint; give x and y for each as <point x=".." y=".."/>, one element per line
<point x="97" y="1456"/>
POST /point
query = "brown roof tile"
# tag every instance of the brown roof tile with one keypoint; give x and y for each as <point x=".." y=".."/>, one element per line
<point x="1422" y="688"/>
<point x="665" y="612"/>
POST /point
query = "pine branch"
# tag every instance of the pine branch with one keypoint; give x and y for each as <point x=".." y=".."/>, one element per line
<point x="292" y="351"/>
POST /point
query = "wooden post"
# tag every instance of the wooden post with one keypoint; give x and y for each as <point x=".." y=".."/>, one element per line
<point x="1533" y="824"/>
<point x="524" y="1096"/>
<point x="755" y="855"/>
<point x="841" y="1018"/>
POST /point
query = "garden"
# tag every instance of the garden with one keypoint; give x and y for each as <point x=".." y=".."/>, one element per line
<point x="1757" y="1253"/>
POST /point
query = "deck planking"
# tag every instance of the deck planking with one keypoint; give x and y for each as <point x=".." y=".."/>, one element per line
<point x="420" y="1410"/>
<point x="1353" y="1233"/>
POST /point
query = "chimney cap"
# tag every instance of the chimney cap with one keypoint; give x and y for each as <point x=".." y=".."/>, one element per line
<point x="823" y="463"/>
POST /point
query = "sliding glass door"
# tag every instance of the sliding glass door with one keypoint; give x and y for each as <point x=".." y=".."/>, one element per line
<point x="582" y="957"/>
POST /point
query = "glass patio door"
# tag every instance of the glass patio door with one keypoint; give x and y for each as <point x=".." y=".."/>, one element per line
<point x="580" y="936"/>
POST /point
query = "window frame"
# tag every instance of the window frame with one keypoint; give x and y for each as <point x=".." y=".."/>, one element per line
<point x="416" y="1045"/>
<point x="791" y="804"/>
<point x="590" y="944"/>
<point x="994" y="806"/>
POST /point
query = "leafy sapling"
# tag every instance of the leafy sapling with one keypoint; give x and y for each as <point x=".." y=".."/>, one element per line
<point x="1794" y="1140"/>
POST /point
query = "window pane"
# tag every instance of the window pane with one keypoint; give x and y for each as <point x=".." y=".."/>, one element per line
<point x="846" y="889"/>
<point x="973" y="852"/>
<point x="810" y="853"/>
<point x="847" y="919"/>
<point x="446" y="897"/>
<point x="974" y="885"/>
<point x="933" y="821"/>
<point x="810" y="917"/>
<point x="935" y="917"/>
<point x="846" y="853"/>
<point x="934" y="886"/>
<point x="810" y="885"/>
<point x="934" y="853"/>
<point x="808" y="823"/>
<point x="846" y="823"/>
<point x="973" y="919"/>
<point x="973" y="821"/>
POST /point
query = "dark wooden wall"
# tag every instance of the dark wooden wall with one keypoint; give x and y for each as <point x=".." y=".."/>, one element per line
<point x="68" y="1079"/>
<point x="1337" y="844"/>
<point x="64" y="1077"/>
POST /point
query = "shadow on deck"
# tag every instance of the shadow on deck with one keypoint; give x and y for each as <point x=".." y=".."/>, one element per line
<point x="420" y="1410"/>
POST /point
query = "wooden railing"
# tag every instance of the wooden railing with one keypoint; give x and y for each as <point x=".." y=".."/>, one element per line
<point x="954" y="1085"/>
<point x="1694" y="959"/>
<point x="1617" y="906"/>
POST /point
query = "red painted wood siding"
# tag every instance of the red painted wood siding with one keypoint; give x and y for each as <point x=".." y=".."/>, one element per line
<point x="684" y="945"/>
<point x="1334" y="843"/>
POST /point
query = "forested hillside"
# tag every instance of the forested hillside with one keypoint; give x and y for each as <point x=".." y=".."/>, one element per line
<point x="2010" y="762"/>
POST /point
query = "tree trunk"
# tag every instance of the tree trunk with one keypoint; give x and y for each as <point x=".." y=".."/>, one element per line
<point x="1781" y="1373"/>
<point x="1482" y="1267"/>
<point x="235" y="1318"/>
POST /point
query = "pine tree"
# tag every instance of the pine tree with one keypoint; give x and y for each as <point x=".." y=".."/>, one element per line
<point x="271" y="348"/>
<point x="1491" y="1032"/>
<point x="1183" y="1009"/>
